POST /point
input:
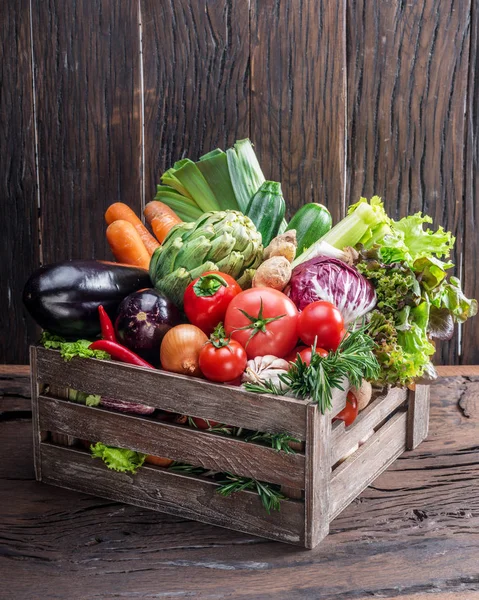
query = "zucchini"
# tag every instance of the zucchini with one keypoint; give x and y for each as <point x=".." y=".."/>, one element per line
<point x="311" y="222"/>
<point x="266" y="209"/>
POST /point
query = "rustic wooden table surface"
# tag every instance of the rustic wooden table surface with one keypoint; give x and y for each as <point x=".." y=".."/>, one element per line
<point x="413" y="534"/>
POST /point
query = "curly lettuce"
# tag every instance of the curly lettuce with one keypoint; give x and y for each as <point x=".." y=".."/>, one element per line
<point x="118" y="459"/>
<point x="68" y="350"/>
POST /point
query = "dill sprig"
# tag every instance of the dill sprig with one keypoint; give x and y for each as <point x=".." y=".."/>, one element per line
<point x="353" y="360"/>
<point x="277" y="441"/>
<point x="269" y="494"/>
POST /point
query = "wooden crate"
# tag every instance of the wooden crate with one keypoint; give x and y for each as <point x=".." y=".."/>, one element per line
<point x="322" y="483"/>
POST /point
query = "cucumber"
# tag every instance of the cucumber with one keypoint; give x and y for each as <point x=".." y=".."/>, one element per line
<point x="311" y="222"/>
<point x="266" y="209"/>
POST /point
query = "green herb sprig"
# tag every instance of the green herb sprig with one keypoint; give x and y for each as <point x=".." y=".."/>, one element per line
<point x="277" y="441"/>
<point x="353" y="360"/>
<point x="269" y="494"/>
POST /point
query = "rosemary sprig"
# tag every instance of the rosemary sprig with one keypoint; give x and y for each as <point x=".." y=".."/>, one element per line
<point x="178" y="467"/>
<point x="353" y="360"/>
<point x="269" y="494"/>
<point x="277" y="441"/>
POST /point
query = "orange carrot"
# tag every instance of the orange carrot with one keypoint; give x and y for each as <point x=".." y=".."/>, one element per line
<point x="127" y="245"/>
<point x="161" y="219"/>
<point x="122" y="212"/>
<point x="161" y="225"/>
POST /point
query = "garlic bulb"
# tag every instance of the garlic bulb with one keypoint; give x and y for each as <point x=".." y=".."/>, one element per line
<point x="265" y="368"/>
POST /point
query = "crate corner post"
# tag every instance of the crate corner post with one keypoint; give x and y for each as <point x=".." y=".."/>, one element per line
<point x="317" y="475"/>
<point x="418" y="416"/>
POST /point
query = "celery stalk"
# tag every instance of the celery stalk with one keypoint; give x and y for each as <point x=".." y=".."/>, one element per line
<point x="362" y="223"/>
<point x="214" y="167"/>
<point x="245" y="172"/>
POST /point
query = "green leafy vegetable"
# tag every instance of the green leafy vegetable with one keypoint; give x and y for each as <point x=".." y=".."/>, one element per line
<point x="68" y="350"/>
<point x="118" y="459"/>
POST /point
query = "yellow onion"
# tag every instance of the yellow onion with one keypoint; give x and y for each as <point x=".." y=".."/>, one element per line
<point x="180" y="350"/>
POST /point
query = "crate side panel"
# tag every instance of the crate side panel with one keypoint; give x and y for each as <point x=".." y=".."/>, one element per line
<point x="175" y="393"/>
<point x="418" y="416"/>
<point x="157" y="489"/>
<point x="375" y="456"/>
<point x="199" y="448"/>
<point x="343" y="440"/>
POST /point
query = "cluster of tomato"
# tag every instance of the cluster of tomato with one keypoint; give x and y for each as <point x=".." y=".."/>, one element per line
<point x="256" y="322"/>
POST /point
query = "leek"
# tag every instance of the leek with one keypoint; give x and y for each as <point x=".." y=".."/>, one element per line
<point x="364" y="220"/>
<point x="169" y="178"/>
<point x="196" y="185"/>
<point x="245" y="172"/>
<point x="214" y="168"/>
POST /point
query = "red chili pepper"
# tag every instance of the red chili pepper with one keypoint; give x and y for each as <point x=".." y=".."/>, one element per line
<point x="120" y="353"/>
<point x="107" y="329"/>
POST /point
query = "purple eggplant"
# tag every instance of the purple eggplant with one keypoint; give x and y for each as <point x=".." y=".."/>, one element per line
<point x="143" y="319"/>
<point x="63" y="297"/>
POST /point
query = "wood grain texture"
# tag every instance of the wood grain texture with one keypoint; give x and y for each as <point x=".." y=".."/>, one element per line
<point x="19" y="242"/>
<point x="407" y="85"/>
<point x="417" y="416"/>
<point x="470" y="333"/>
<point x="89" y="129"/>
<point x="196" y="80"/>
<point x="357" y="472"/>
<point x="185" y="496"/>
<point x="317" y="496"/>
<point x="191" y="446"/>
<point x="298" y="98"/>
<point x="343" y="440"/>
<point x="175" y="393"/>
<point x="413" y="534"/>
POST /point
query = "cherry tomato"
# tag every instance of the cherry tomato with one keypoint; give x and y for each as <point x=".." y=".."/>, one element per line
<point x="307" y="352"/>
<point x="207" y="297"/>
<point x="291" y="356"/>
<point x="321" y="322"/>
<point x="263" y="321"/>
<point x="222" y="362"/>
<point x="349" y="412"/>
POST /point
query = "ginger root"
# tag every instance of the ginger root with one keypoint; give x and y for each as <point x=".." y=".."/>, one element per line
<point x="273" y="273"/>
<point x="282" y="245"/>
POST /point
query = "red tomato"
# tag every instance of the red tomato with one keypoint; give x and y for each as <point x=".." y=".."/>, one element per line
<point x="203" y="423"/>
<point x="207" y="297"/>
<point x="263" y="321"/>
<point x="222" y="361"/>
<point x="321" y="322"/>
<point x="349" y="412"/>
<point x="306" y="354"/>
<point x="291" y="356"/>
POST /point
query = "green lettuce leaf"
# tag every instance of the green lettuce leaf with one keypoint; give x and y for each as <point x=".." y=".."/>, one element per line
<point x="70" y="349"/>
<point x="451" y="297"/>
<point x="118" y="459"/>
<point x="421" y="242"/>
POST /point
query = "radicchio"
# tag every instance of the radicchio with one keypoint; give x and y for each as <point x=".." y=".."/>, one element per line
<point x="324" y="278"/>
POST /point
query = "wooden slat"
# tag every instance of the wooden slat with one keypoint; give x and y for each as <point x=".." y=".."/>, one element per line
<point x="343" y="440"/>
<point x="418" y="416"/>
<point x="298" y="98"/>
<point x="407" y="88"/>
<point x="35" y="416"/>
<point x="157" y="489"/>
<point x="358" y="471"/>
<point x="458" y="370"/>
<point x="19" y="243"/>
<point x="175" y="393"/>
<point x="199" y="448"/>
<point x="196" y="80"/>
<point x="89" y="120"/>
<point x="318" y="476"/>
<point x="470" y="330"/>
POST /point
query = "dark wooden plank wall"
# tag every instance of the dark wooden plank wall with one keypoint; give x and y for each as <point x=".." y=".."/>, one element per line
<point x="340" y="98"/>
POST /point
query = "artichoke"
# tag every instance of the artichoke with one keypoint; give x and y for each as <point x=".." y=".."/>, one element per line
<point x="225" y="241"/>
